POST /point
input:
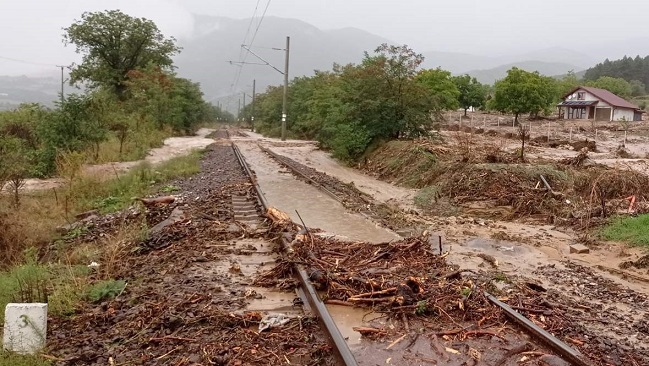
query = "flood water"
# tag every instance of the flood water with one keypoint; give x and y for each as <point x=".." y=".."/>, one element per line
<point x="288" y="194"/>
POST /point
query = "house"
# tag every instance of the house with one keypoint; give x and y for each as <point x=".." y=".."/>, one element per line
<point x="597" y="104"/>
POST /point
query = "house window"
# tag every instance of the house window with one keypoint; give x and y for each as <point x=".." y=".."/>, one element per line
<point x="581" y="96"/>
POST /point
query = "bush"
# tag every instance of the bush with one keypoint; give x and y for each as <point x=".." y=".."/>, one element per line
<point x="106" y="290"/>
<point x="348" y="142"/>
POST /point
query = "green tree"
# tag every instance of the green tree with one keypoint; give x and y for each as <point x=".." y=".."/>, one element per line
<point x="472" y="93"/>
<point x="638" y="88"/>
<point x="114" y="43"/>
<point x="15" y="165"/>
<point x="444" y="92"/>
<point x="75" y="126"/>
<point x="568" y="83"/>
<point x="524" y="92"/>
<point x="617" y="86"/>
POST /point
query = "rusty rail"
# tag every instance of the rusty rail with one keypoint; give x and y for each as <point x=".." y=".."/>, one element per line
<point x="343" y="353"/>
<point x="565" y="351"/>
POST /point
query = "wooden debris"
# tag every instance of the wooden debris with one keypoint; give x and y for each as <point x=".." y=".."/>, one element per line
<point x="158" y="201"/>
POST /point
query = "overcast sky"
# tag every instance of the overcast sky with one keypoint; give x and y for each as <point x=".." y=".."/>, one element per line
<point x="31" y="29"/>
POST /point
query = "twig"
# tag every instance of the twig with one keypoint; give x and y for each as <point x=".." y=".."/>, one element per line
<point x="514" y="351"/>
<point x="396" y="341"/>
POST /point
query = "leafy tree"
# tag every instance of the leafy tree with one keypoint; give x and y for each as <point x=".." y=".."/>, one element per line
<point x="568" y="83"/>
<point x="626" y="68"/>
<point x="524" y="92"/>
<point x="15" y="165"/>
<point x="472" y="93"/>
<point x="443" y="90"/>
<point x="616" y="86"/>
<point x="113" y="44"/>
<point x="638" y="88"/>
<point x="74" y="126"/>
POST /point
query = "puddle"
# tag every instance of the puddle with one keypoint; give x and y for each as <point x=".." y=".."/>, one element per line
<point x="347" y="318"/>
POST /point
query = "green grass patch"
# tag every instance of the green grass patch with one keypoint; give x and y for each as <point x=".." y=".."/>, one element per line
<point x="632" y="230"/>
<point x="12" y="359"/>
<point x="105" y="290"/>
<point x="62" y="287"/>
<point x="118" y="193"/>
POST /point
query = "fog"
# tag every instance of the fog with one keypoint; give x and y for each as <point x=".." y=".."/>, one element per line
<point x="30" y="30"/>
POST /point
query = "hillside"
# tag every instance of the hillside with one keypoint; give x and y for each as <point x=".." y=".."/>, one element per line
<point x="627" y="68"/>
<point x="218" y="40"/>
<point x="490" y="76"/>
<point x="20" y="89"/>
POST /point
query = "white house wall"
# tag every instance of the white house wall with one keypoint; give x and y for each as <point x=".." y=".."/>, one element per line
<point x="589" y="98"/>
<point x="620" y="113"/>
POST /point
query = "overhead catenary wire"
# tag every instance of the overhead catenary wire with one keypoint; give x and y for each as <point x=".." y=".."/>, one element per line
<point x="243" y="59"/>
<point x="27" y="62"/>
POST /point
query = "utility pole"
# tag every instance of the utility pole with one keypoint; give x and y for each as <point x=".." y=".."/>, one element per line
<point x="244" y="105"/>
<point x="239" y="111"/>
<point x="62" y="84"/>
<point x="252" y="113"/>
<point x="288" y="43"/>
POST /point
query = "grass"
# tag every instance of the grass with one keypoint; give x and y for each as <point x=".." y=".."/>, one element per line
<point x="118" y="193"/>
<point x="104" y="290"/>
<point x="11" y="359"/>
<point x="136" y="146"/>
<point x="35" y="222"/>
<point x="632" y="230"/>
<point x="64" y="282"/>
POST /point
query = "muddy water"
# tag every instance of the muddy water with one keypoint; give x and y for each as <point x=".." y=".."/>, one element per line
<point x="288" y="194"/>
<point x="307" y="153"/>
<point x="173" y="147"/>
<point x="238" y="270"/>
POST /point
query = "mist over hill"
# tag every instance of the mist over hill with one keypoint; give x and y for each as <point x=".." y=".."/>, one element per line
<point x="215" y="41"/>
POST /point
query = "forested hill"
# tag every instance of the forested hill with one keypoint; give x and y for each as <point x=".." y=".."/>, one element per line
<point x="627" y="68"/>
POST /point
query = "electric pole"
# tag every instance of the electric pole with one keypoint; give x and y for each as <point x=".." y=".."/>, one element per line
<point x="244" y="106"/>
<point x="252" y="113"/>
<point x="288" y="43"/>
<point x="62" y="84"/>
<point x="239" y="111"/>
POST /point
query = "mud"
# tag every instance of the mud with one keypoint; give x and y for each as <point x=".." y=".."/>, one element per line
<point x="316" y="208"/>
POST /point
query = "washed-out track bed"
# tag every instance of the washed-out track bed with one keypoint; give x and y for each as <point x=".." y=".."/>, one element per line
<point x="578" y="342"/>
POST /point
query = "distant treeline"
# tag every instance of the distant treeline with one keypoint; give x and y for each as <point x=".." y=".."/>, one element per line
<point x="634" y="70"/>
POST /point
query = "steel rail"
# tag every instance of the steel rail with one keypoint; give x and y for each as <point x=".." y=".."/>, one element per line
<point x="565" y="351"/>
<point x="343" y="353"/>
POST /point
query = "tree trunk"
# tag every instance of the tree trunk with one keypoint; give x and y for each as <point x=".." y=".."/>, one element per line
<point x="465" y="112"/>
<point x="516" y="119"/>
<point x="523" y="149"/>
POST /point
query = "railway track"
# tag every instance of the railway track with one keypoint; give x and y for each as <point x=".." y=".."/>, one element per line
<point x="245" y="211"/>
<point x="560" y="348"/>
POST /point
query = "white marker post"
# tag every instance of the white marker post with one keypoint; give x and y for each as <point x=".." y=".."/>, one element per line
<point x="25" y="330"/>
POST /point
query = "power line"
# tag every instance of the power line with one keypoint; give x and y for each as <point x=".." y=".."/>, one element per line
<point x="245" y="57"/>
<point x="27" y="62"/>
<point x="252" y="19"/>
